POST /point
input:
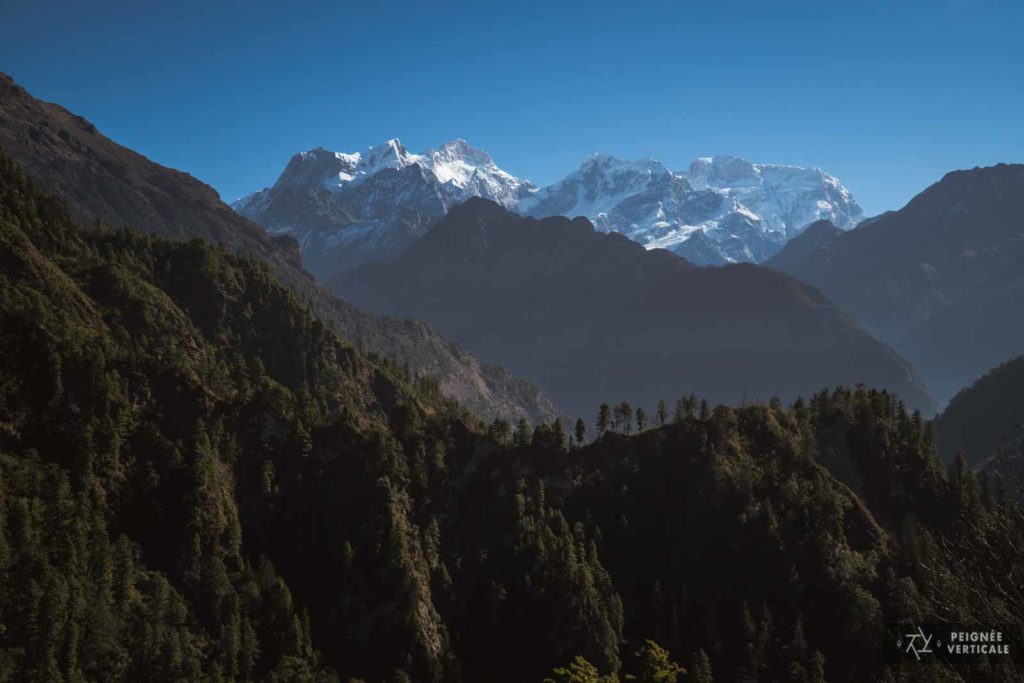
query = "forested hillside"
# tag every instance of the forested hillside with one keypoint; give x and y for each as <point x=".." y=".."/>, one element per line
<point x="200" y="481"/>
<point x="102" y="181"/>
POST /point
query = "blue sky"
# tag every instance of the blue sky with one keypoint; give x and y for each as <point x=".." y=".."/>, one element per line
<point x="888" y="95"/>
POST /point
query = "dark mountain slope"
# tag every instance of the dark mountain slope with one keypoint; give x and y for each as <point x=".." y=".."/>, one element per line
<point x="596" y="317"/>
<point x="896" y="271"/>
<point x="104" y="181"/>
<point x="801" y="249"/>
<point x="975" y="332"/>
<point x="936" y="279"/>
<point x="982" y="416"/>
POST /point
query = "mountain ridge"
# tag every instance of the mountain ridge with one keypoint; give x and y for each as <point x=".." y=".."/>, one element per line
<point x="106" y="182"/>
<point x="721" y="210"/>
<point x="555" y="299"/>
<point x="939" y="279"/>
<point x="817" y="235"/>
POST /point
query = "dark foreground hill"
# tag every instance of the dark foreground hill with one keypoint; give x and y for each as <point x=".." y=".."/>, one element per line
<point x="103" y="181"/>
<point x="200" y="481"/>
<point x="595" y="317"/>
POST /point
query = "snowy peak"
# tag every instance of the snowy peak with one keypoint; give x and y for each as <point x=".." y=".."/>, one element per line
<point x="598" y="188"/>
<point x="459" y="151"/>
<point x="610" y="171"/>
<point x="349" y="208"/>
<point x="723" y="209"/>
<point x="787" y="198"/>
<point x="334" y="170"/>
<point x="390" y="154"/>
<point x="721" y="171"/>
<point x="455" y="163"/>
<point x="315" y="166"/>
<point x="474" y="173"/>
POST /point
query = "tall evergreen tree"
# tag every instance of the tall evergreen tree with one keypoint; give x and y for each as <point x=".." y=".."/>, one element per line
<point x="604" y="419"/>
<point x="662" y="413"/>
<point x="700" y="671"/>
<point x="641" y="419"/>
<point x="680" y="410"/>
<point x="626" y="417"/>
<point x="523" y="434"/>
<point x="655" y="666"/>
<point x="580" y="431"/>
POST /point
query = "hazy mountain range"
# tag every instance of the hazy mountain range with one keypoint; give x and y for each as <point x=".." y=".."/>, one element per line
<point x="595" y="316"/>
<point x="941" y="279"/>
<point x="938" y="280"/>
<point x="352" y="208"/>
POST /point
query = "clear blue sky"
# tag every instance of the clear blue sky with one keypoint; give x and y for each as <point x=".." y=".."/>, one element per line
<point x="886" y="95"/>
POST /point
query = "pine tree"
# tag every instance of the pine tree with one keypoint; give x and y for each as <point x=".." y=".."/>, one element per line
<point x="604" y="419"/>
<point x="655" y="666"/>
<point x="816" y="669"/>
<point x="557" y="434"/>
<point x="578" y="671"/>
<point x="680" y="411"/>
<point x="580" y="431"/>
<point x="626" y="417"/>
<point x="500" y="432"/>
<point x="701" y="669"/>
<point x="691" y="405"/>
<point x="523" y="435"/>
<point x="641" y="419"/>
<point x="662" y="413"/>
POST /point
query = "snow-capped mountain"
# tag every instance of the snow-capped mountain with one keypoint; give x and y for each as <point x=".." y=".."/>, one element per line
<point x="348" y="209"/>
<point x="722" y="210"/>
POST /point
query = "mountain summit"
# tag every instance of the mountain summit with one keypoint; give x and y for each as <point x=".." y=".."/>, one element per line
<point x="722" y="210"/>
<point x="347" y="209"/>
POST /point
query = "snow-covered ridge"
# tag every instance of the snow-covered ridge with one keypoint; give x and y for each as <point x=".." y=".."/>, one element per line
<point x="455" y="164"/>
<point x="346" y="209"/>
<point x="349" y="208"/>
<point x="740" y="211"/>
